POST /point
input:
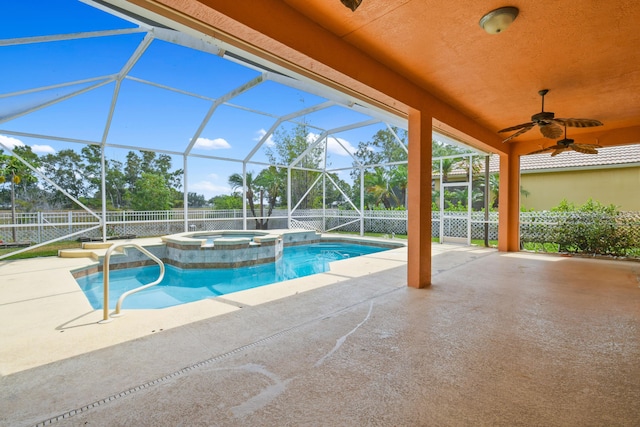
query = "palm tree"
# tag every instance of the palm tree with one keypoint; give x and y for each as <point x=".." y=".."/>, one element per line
<point x="16" y="172"/>
<point x="399" y="180"/>
<point x="494" y="185"/>
<point x="270" y="181"/>
<point x="377" y="184"/>
<point x="236" y="182"/>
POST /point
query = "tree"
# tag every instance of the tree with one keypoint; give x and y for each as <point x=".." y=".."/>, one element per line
<point x="132" y="168"/>
<point x="270" y="182"/>
<point x="92" y="158"/>
<point x="226" y="201"/>
<point x="399" y="179"/>
<point x="377" y="185"/>
<point x="384" y="147"/>
<point x="16" y="172"/>
<point x="66" y="169"/>
<point x="236" y="182"/>
<point x="494" y="189"/>
<point x="115" y="184"/>
<point x="151" y="192"/>
<point x="288" y="146"/>
<point x="448" y="164"/>
<point x="136" y="166"/>
<point x="383" y="185"/>
<point x="449" y="159"/>
<point x="115" y="179"/>
<point x="149" y="162"/>
<point x="196" y="200"/>
<point x="333" y="196"/>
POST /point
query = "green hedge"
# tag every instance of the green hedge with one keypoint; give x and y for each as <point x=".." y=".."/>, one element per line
<point x="596" y="229"/>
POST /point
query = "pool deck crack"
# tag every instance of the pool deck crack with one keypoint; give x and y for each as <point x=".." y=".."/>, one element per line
<point x="214" y="359"/>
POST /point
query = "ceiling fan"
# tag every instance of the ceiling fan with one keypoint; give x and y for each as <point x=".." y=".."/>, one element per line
<point x="550" y="127"/>
<point x="568" y="144"/>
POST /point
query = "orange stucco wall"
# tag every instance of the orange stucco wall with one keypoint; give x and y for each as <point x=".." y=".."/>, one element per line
<point x="509" y="204"/>
<point x="419" y="204"/>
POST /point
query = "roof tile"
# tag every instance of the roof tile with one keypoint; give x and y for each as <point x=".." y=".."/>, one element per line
<point x="618" y="155"/>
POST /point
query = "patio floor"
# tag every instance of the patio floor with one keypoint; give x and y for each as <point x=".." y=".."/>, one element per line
<point x="499" y="339"/>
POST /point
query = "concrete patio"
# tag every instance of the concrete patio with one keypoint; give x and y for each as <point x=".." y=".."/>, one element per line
<point x="499" y="339"/>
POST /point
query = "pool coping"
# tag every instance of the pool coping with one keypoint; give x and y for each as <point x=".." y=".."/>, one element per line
<point x="48" y="318"/>
<point x="169" y="241"/>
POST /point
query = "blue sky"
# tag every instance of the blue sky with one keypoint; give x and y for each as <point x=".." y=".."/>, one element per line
<point x="146" y="116"/>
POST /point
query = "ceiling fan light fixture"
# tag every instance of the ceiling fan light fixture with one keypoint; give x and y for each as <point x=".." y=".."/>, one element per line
<point x="351" y="4"/>
<point x="498" y="20"/>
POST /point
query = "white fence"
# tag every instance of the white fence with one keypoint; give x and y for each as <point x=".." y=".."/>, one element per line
<point x="38" y="227"/>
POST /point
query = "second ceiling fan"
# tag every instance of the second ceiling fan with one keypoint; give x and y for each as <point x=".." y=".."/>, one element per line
<point x="567" y="144"/>
<point x="550" y="127"/>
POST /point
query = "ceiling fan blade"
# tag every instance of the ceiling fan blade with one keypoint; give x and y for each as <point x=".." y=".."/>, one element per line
<point x="544" y="150"/>
<point x="589" y="145"/>
<point x="580" y="123"/>
<point x="527" y="125"/>
<point x="581" y="148"/>
<point x="558" y="151"/>
<point x="551" y="130"/>
<point x="520" y="132"/>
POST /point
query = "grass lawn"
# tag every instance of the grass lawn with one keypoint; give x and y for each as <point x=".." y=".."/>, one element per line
<point x="46" y="250"/>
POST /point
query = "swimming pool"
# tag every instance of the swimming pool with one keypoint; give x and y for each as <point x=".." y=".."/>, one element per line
<point x="181" y="286"/>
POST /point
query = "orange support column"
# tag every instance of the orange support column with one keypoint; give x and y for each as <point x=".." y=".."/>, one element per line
<point x="419" y="205"/>
<point x="509" y="204"/>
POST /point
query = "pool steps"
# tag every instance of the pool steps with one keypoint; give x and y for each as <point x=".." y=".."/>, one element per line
<point x="93" y="250"/>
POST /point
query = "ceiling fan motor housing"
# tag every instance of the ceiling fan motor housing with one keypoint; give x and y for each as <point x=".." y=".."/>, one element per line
<point x="548" y="124"/>
<point x="565" y="142"/>
<point x="542" y="117"/>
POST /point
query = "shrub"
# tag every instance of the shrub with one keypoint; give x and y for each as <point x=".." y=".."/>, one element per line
<point x="593" y="228"/>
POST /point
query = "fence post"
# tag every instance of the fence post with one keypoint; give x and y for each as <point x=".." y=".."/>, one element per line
<point x="70" y="221"/>
<point x="39" y="227"/>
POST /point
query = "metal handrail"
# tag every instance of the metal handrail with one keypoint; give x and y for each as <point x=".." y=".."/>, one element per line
<point x="105" y="274"/>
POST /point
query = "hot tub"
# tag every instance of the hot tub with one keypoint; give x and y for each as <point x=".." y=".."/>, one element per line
<point x="222" y="248"/>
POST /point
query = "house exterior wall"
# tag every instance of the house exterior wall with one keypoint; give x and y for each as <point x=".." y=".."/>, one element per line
<point x="618" y="186"/>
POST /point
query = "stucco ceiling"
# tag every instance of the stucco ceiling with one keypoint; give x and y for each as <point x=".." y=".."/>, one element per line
<point x="585" y="52"/>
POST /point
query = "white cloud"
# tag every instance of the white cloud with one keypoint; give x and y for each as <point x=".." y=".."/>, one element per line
<point x="212" y="144"/>
<point x="269" y="142"/>
<point x="333" y="146"/>
<point x="312" y="137"/>
<point x="10" y="142"/>
<point x="43" y="149"/>
<point x="209" y="189"/>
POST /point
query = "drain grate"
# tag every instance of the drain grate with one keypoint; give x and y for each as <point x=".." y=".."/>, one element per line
<point x="198" y="365"/>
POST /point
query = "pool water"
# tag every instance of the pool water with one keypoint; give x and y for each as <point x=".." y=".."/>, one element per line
<point x="181" y="286"/>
